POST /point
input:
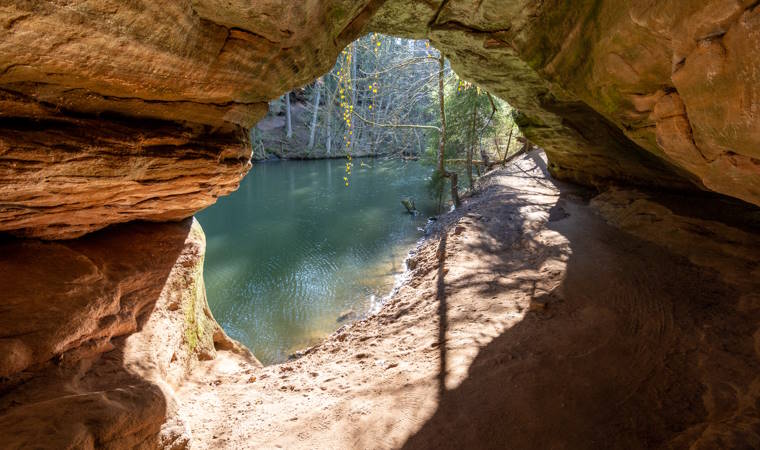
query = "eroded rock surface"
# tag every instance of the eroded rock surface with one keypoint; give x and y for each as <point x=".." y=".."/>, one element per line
<point x="113" y="111"/>
<point x="62" y="177"/>
<point x="657" y="93"/>
<point x="96" y="333"/>
<point x="594" y="78"/>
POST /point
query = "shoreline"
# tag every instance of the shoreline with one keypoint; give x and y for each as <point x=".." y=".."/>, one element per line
<point x="335" y="268"/>
<point x="531" y="317"/>
<point x="275" y="158"/>
<point x="399" y="281"/>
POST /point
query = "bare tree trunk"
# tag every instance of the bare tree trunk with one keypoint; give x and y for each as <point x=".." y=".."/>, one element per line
<point x="318" y="86"/>
<point x="452" y="176"/>
<point x="328" y="144"/>
<point x="483" y="153"/>
<point x="353" y="95"/>
<point x="289" y="126"/>
<point x="484" y="157"/>
<point x="454" y="187"/>
<point x="509" y="142"/>
<point x="441" y="105"/>
<point x="329" y="110"/>
<point x="471" y="146"/>
<point x="497" y="143"/>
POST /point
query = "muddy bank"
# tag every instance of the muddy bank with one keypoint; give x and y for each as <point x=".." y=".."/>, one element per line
<point x="534" y="319"/>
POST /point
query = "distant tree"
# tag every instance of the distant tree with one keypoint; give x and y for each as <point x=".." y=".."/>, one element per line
<point x="312" y="132"/>
<point x="390" y="96"/>
<point x="287" y="116"/>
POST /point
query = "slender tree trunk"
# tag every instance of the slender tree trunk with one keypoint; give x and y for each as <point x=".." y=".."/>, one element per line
<point x="353" y="95"/>
<point x="486" y="160"/>
<point x="289" y="126"/>
<point x="471" y="147"/>
<point x="497" y="143"/>
<point x="509" y="142"/>
<point x="328" y="144"/>
<point x="329" y="110"/>
<point x="452" y="176"/>
<point x="441" y="105"/>
<point x="312" y="134"/>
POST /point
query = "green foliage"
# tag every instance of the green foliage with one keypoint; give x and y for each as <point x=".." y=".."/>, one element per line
<point x="437" y="186"/>
<point x="382" y="98"/>
<point x="470" y="121"/>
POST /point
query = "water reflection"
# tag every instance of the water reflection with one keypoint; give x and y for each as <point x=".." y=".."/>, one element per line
<point x="294" y="248"/>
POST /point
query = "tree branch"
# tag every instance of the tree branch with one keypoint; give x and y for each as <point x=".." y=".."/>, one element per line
<point x="397" y="125"/>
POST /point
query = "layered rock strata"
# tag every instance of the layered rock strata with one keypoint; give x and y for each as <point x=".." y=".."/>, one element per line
<point x="113" y="111"/>
<point x="640" y="92"/>
<point x="95" y="334"/>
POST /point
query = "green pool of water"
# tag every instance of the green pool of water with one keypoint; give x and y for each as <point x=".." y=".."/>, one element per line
<point x="294" y="248"/>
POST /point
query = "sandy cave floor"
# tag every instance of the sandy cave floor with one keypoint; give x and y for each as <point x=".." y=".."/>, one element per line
<point x="528" y="322"/>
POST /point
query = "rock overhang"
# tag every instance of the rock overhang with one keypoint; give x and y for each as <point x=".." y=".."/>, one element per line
<point x="115" y="111"/>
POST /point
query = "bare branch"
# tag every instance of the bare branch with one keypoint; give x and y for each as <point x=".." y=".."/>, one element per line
<point x="397" y="125"/>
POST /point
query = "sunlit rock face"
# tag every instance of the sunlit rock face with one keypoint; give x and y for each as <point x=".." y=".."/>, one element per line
<point x="114" y="111"/>
<point x="638" y="91"/>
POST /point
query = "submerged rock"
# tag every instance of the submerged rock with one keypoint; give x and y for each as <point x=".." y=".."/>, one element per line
<point x="347" y="315"/>
<point x="409" y="205"/>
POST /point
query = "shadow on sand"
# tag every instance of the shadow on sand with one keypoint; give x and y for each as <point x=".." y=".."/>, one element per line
<point x="632" y="347"/>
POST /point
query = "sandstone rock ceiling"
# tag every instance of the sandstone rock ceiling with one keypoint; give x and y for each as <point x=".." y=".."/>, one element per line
<point x="112" y="111"/>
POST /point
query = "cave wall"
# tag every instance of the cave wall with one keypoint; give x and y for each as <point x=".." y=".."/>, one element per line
<point x="116" y="111"/>
<point x="645" y="92"/>
<point x="97" y="333"/>
<point x="112" y="111"/>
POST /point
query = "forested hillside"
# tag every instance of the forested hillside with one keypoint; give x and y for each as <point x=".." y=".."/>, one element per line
<point x="381" y="98"/>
